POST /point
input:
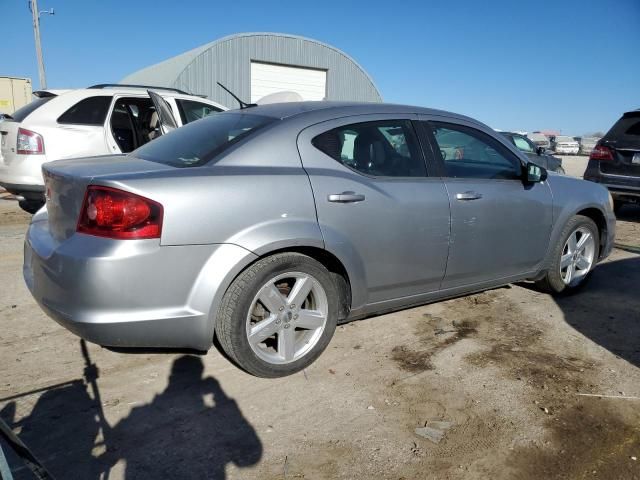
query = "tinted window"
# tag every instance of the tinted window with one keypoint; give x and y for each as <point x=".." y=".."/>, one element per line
<point x="191" y="111"/>
<point x="385" y="148"/>
<point x="90" y="111"/>
<point x="469" y="153"/>
<point x="22" y="113"/>
<point x="523" y="144"/>
<point x="200" y="142"/>
<point x="627" y="129"/>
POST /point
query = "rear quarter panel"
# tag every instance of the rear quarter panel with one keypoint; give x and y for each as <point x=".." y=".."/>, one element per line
<point x="257" y="196"/>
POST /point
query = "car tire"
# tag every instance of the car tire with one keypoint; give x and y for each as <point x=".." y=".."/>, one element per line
<point x="617" y="206"/>
<point x="265" y="327"/>
<point x="30" y="206"/>
<point x="568" y="254"/>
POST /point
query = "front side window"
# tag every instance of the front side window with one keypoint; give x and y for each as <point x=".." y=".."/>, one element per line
<point x="385" y="148"/>
<point x="191" y="110"/>
<point x="470" y="153"/>
<point x="90" y="111"/>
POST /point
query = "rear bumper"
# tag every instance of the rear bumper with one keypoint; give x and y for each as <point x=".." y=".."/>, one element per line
<point x="621" y="187"/>
<point x="129" y="293"/>
<point x="23" y="176"/>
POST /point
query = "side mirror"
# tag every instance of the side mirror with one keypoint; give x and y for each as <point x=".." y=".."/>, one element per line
<point x="540" y="150"/>
<point x="535" y="173"/>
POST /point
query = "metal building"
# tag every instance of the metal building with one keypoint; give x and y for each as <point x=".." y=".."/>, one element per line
<point x="253" y="65"/>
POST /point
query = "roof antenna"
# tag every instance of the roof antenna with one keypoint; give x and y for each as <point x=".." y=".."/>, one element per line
<point x="242" y="104"/>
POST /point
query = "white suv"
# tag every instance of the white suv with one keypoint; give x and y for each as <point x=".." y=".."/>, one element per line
<point x="99" y="120"/>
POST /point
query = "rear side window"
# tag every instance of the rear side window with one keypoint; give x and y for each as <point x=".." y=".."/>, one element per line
<point x="198" y="143"/>
<point x="382" y="149"/>
<point x="191" y="111"/>
<point x="22" y="113"/>
<point x="90" y="111"/>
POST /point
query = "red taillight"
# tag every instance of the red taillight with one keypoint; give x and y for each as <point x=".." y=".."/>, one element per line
<point x="29" y="143"/>
<point x="113" y="213"/>
<point x="602" y="153"/>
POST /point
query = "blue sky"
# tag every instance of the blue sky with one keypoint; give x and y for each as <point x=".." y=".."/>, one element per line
<point x="568" y="65"/>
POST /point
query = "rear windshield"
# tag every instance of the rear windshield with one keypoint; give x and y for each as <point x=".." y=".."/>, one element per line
<point x="627" y="129"/>
<point x="561" y="138"/>
<point x="22" y="113"/>
<point x="199" y="142"/>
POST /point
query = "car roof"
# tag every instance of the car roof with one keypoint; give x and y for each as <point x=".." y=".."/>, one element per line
<point x="292" y="109"/>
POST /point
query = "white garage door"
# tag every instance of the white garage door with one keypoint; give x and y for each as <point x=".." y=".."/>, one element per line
<point x="266" y="78"/>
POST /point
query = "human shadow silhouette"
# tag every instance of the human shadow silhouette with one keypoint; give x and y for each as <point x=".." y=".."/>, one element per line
<point x="190" y="430"/>
<point x="607" y="308"/>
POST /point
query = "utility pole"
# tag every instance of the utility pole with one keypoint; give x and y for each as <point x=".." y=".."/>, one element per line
<point x="36" y="32"/>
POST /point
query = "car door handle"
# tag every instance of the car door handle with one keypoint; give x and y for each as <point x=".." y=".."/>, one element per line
<point x="345" y="197"/>
<point x="468" y="196"/>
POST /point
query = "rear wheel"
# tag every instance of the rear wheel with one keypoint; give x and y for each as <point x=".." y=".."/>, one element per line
<point x="574" y="256"/>
<point x="279" y="315"/>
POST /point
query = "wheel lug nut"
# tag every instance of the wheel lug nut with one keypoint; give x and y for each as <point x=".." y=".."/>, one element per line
<point x="295" y="317"/>
<point x="292" y="306"/>
<point x="286" y="325"/>
<point x="281" y="308"/>
<point x="278" y="322"/>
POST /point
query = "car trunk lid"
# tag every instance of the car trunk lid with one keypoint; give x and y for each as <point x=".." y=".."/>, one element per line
<point x="66" y="183"/>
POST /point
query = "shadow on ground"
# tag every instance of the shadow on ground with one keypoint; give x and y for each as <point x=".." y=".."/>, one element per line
<point x="607" y="309"/>
<point x="190" y="430"/>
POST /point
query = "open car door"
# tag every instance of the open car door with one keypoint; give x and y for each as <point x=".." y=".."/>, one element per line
<point x="165" y="115"/>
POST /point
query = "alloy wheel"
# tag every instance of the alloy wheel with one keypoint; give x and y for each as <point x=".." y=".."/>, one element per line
<point x="287" y="317"/>
<point x="577" y="257"/>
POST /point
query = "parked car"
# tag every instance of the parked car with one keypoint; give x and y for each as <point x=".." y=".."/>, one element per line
<point x="539" y="140"/>
<point x="615" y="160"/>
<point x="99" y="120"/>
<point x="536" y="154"/>
<point x="276" y="222"/>
<point x="564" y="145"/>
<point x="586" y="144"/>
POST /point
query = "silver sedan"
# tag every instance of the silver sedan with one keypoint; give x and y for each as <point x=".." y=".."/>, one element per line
<point x="267" y="226"/>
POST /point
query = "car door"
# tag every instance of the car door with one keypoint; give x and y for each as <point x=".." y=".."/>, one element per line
<point x="376" y="205"/>
<point x="500" y="226"/>
<point x="165" y="114"/>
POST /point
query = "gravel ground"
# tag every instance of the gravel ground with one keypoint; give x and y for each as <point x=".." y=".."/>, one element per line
<point x="505" y="370"/>
<point x="574" y="165"/>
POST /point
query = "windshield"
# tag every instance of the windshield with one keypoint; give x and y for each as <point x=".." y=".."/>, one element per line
<point x="200" y="142"/>
<point x="562" y="138"/>
<point x="22" y="113"/>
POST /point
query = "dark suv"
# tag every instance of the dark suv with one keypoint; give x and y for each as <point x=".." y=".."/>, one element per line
<point x="615" y="160"/>
<point x="536" y="154"/>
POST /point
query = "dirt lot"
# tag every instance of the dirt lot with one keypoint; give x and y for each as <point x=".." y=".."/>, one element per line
<point x="504" y="370"/>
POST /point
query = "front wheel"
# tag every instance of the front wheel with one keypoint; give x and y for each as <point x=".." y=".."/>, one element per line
<point x="279" y="315"/>
<point x="574" y="256"/>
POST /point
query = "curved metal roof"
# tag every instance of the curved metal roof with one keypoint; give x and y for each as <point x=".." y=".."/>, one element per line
<point x="178" y="71"/>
